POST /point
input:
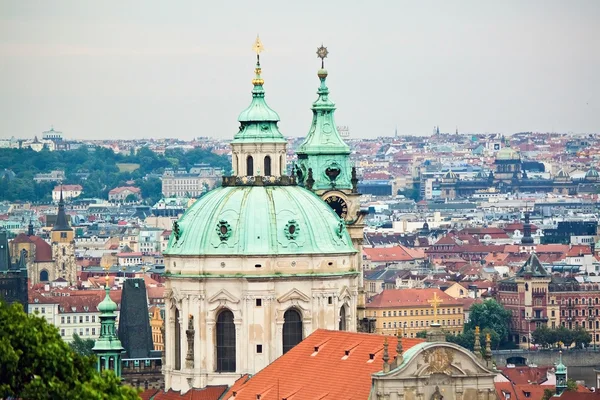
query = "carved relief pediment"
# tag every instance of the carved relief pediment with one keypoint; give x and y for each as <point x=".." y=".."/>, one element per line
<point x="223" y="296"/>
<point x="344" y="295"/>
<point x="293" y="294"/>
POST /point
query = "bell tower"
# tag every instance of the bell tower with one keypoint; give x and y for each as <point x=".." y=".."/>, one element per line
<point x="324" y="167"/>
<point x="63" y="246"/>
<point x="258" y="149"/>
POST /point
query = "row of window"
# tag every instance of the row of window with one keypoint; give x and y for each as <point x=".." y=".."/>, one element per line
<point x="81" y="319"/>
<point x="575" y="301"/>
<point x="65" y="332"/>
<point x="136" y="363"/>
<point x="226" y="345"/>
<point x="416" y="312"/>
<point x="414" y="324"/>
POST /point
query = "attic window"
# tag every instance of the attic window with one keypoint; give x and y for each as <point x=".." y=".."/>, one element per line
<point x="330" y="263"/>
<point x="257" y="265"/>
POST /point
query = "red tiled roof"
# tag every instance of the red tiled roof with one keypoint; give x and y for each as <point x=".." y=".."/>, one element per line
<point x="123" y="188"/>
<point x="77" y="301"/>
<point x="43" y="251"/>
<point x="579" y="250"/>
<point x="67" y="188"/>
<point x="525" y="375"/>
<point x="410" y="298"/>
<point x="395" y="253"/>
<point x="207" y="393"/>
<point x="303" y="373"/>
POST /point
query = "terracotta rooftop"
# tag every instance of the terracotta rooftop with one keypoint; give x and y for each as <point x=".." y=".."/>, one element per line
<point x="328" y="365"/>
<point x="390" y="254"/>
<point x="410" y="298"/>
<point x="43" y="251"/>
<point x="207" y="393"/>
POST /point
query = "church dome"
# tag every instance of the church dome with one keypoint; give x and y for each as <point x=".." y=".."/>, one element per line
<point x="592" y="174"/>
<point x="259" y="220"/>
<point x="507" y="153"/>
<point x="107" y="305"/>
<point x="563" y="174"/>
<point x="450" y="175"/>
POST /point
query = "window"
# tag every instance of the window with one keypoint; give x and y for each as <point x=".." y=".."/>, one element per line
<point x="384" y="313"/>
<point x="93" y="318"/>
<point x="93" y="331"/>
<point x="249" y="166"/>
<point x="292" y="329"/>
<point x="330" y="300"/>
<point x="44" y="276"/>
<point x="63" y="235"/>
<point x="146" y="363"/>
<point x="87" y="331"/>
<point x="259" y="348"/>
<point x="62" y="320"/>
<point x="394" y="313"/>
<point x="136" y="363"/>
<point x="384" y="325"/>
<point x="225" y="342"/>
<point x="68" y="320"/>
<point x="258" y="302"/>
<point x="342" y="324"/>
<point x="81" y="319"/>
<point x="62" y="332"/>
<point x="177" y="341"/>
<point x="87" y="318"/>
<point x="267" y="166"/>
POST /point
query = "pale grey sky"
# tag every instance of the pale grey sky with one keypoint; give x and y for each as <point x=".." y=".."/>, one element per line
<point x="133" y="69"/>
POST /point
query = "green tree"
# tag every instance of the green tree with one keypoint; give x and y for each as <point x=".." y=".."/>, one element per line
<point x="490" y="315"/>
<point x="581" y="337"/>
<point x="565" y="336"/>
<point x="421" y="334"/>
<point x="82" y="346"/>
<point x="131" y="198"/>
<point x="543" y="336"/>
<point x="35" y="363"/>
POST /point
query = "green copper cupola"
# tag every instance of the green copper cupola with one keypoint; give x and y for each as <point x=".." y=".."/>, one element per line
<point x="108" y="348"/>
<point x="258" y="148"/>
<point x="324" y="151"/>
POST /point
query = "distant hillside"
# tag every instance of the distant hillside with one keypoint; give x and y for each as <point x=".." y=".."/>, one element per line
<point x="97" y="171"/>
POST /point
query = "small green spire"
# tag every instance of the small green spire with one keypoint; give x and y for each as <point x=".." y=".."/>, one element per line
<point x="108" y="347"/>
<point x="258" y="122"/>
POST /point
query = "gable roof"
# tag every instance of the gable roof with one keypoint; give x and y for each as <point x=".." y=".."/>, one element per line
<point x="410" y="298"/>
<point x="318" y="368"/>
<point x="533" y="267"/>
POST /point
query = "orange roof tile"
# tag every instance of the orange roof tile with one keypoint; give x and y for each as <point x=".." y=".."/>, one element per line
<point x="207" y="393"/>
<point x="318" y="368"/>
<point x="410" y="298"/>
<point x="390" y="254"/>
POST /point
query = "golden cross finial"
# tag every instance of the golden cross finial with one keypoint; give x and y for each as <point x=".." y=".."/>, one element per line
<point x="258" y="46"/>
<point x="322" y="54"/>
<point x="435" y="302"/>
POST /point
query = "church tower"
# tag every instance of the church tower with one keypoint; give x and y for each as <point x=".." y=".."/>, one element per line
<point x="63" y="247"/>
<point x="324" y="167"/>
<point x="108" y="347"/>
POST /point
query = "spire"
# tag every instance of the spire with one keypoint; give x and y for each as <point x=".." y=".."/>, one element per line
<point x="258" y="122"/>
<point x="61" y="223"/>
<point x="527" y="239"/>
<point x="477" y="347"/>
<point x="488" y="349"/>
<point x="30" y="228"/>
<point x="108" y="347"/>
<point x="323" y="136"/>
<point x="386" y="356"/>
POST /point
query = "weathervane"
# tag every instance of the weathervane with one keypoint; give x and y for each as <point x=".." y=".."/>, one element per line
<point x="258" y="47"/>
<point x="322" y="54"/>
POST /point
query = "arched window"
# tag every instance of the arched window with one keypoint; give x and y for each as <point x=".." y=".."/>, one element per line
<point x="292" y="329"/>
<point x="281" y="171"/>
<point x="267" y="166"/>
<point x="44" y="276"/>
<point x="343" y="326"/>
<point x="249" y="166"/>
<point x="177" y="341"/>
<point x="225" y="342"/>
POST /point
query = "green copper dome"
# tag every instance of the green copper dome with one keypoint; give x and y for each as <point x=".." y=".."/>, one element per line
<point x="259" y="220"/>
<point x="507" y="153"/>
<point x="107" y="305"/>
<point x="258" y="122"/>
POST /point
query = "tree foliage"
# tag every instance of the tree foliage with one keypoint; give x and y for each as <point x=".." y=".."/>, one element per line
<point x="100" y="165"/>
<point x="82" y="346"/>
<point x="546" y="337"/>
<point x="35" y="363"/>
<point x="490" y="315"/>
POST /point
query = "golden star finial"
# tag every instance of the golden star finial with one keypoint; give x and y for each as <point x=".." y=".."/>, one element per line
<point x="435" y="302"/>
<point x="258" y="46"/>
<point x="322" y="54"/>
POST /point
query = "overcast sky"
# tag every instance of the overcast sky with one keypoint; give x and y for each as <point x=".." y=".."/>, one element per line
<point x="134" y="69"/>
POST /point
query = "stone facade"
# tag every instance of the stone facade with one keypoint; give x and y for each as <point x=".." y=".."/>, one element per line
<point x="435" y="371"/>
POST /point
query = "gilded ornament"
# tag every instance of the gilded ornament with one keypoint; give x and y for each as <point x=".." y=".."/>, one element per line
<point x="438" y="359"/>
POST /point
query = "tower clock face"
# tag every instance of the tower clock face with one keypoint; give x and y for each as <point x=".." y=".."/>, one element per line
<point x="338" y="205"/>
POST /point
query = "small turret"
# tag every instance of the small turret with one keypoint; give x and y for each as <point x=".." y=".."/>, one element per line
<point x="561" y="376"/>
<point x="386" y="356"/>
<point x="477" y="347"/>
<point x="488" y="350"/>
<point x="108" y="347"/>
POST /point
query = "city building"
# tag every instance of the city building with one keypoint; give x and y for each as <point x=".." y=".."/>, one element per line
<point x="536" y="298"/>
<point x="257" y="265"/>
<point x="52" y="176"/>
<point x="66" y="192"/>
<point x="120" y="194"/>
<point x="13" y="274"/>
<point x="181" y="183"/>
<point x="409" y="311"/>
